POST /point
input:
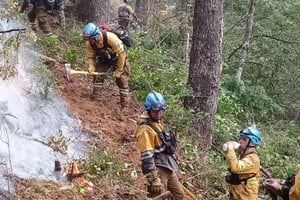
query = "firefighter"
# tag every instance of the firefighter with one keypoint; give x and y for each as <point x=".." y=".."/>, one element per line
<point x="244" y="169"/>
<point x="39" y="9"/>
<point x="105" y="52"/>
<point x="157" y="146"/>
<point x="124" y="13"/>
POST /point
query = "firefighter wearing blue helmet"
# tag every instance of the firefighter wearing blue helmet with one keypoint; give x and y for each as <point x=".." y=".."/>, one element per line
<point x="157" y="146"/>
<point x="243" y="176"/>
<point x="106" y="52"/>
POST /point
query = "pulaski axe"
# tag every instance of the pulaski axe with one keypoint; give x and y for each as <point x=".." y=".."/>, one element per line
<point x="70" y="71"/>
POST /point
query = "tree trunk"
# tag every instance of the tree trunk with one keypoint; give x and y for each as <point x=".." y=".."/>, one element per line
<point x="246" y="41"/>
<point x="141" y="9"/>
<point x="93" y="11"/>
<point x="205" y="65"/>
<point x="184" y="12"/>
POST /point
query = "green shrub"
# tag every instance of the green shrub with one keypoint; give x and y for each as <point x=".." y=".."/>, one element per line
<point x="254" y="100"/>
<point x="71" y="56"/>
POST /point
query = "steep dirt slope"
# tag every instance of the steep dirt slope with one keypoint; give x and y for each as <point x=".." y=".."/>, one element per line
<point x="102" y="116"/>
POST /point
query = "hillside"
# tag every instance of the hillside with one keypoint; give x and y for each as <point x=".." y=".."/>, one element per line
<point x="108" y="128"/>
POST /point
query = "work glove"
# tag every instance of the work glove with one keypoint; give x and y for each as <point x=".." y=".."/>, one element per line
<point x="273" y="186"/>
<point x="117" y="74"/>
<point x="91" y="69"/>
<point x="230" y="145"/>
<point x="155" y="185"/>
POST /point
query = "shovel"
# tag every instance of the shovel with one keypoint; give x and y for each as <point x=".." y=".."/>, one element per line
<point x="70" y="71"/>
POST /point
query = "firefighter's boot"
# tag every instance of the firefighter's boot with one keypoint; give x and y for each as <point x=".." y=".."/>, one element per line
<point x="124" y="98"/>
<point x="97" y="91"/>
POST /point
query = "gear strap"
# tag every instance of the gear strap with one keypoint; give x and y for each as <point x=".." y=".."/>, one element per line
<point x="168" y="138"/>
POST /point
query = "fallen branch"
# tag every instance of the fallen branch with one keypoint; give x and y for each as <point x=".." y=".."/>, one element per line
<point x="50" y="59"/>
<point x="15" y="29"/>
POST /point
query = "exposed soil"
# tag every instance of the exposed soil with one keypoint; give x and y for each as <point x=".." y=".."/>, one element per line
<point x="101" y="117"/>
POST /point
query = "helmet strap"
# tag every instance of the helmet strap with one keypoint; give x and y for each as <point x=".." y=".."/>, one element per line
<point x="247" y="146"/>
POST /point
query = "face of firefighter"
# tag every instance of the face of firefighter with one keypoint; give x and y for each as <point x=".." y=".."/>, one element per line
<point x="243" y="143"/>
<point x="92" y="41"/>
<point x="156" y="114"/>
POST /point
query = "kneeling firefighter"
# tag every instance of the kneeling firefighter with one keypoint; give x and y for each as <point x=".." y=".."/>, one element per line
<point x="244" y="170"/>
<point x="157" y="146"/>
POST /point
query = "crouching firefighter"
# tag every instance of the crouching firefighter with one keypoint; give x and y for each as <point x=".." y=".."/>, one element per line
<point x="157" y="146"/>
<point x="243" y="176"/>
<point x="106" y="52"/>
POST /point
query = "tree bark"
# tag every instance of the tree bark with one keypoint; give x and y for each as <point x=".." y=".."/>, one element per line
<point x="246" y="40"/>
<point x="141" y="9"/>
<point x="93" y="11"/>
<point x="205" y="65"/>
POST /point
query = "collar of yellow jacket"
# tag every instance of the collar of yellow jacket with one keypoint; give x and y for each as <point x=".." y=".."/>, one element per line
<point x="249" y="151"/>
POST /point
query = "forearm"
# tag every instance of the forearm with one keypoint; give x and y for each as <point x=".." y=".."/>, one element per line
<point x="232" y="161"/>
<point x="121" y="61"/>
<point x="148" y="165"/>
<point x="91" y="62"/>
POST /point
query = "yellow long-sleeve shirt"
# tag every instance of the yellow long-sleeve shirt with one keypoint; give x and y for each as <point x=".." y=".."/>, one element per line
<point x="246" y="166"/>
<point x="115" y="48"/>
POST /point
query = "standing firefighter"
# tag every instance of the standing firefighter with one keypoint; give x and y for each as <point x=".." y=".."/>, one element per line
<point x="124" y="13"/>
<point x="38" y="11"/>
<point x="157" y="146"/>
<point x="243" y="176"/>
<point x="105" y="52"/>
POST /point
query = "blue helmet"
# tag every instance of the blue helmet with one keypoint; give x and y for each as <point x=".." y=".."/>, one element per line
<point x="155" y="101"/>
<point x="252" y="133"/>
<point x="91" y="31"/>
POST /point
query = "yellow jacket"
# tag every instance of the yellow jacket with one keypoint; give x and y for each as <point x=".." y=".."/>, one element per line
<point x="115" y="49"/>
<point x="246" y="166"/>
<point x="295" y="189"/>
<point x="152" y="148"/>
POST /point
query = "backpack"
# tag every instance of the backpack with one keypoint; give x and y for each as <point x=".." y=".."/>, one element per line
<point x="167" y="137"/>
<point x="123" y="12"/>
<point x="117" y="29"/>
<point x="50" y="4"/>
